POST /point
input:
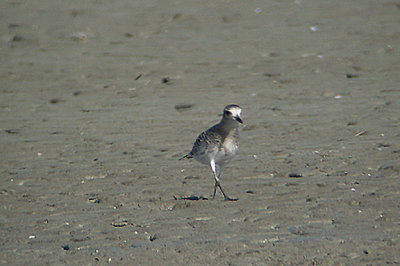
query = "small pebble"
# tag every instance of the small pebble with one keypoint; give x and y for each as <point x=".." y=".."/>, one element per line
<point x="153" y="237"/>
<point x="12" y="131"/>
<point x="55" y="100"/>
<point x="165" y="80"/>
<point x="295" y="175"/>
<point x="350" y="75"/>
<point x="183" y="106"/>
<point x="79" y="36"/>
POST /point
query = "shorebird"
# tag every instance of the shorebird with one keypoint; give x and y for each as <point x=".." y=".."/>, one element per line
<point x="218" y="145"/>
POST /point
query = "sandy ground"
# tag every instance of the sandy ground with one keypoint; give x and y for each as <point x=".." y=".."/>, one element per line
<point x="93" y="124"/>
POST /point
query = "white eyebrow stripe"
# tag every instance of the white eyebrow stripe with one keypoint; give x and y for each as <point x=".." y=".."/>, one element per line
<point x="236" y="111"/>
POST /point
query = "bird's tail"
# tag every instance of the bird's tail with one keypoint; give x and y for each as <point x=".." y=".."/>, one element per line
<point x="188" y="156"/>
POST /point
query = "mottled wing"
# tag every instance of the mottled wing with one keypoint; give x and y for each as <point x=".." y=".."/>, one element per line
<point x="206" y="140"/>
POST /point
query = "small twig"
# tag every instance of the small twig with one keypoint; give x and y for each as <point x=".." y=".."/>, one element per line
<point x="360" y="133"/>
<point x="139" y="76"/>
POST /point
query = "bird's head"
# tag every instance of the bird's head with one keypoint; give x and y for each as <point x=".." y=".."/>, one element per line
<point x="232" y="112"/>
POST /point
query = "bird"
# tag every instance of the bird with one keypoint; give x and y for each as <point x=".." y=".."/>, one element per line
<point x="218" y="145"/>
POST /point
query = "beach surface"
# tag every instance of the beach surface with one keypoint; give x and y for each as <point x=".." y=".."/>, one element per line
<point x="99" y="99"/>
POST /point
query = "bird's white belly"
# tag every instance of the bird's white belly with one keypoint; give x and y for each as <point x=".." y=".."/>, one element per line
<point x="227" y="152"/>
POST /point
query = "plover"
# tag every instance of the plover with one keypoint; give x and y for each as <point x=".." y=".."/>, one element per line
<point x="218" y="145"/>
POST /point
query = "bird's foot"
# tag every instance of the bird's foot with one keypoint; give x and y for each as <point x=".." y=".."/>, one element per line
<point x="231" y="199"/>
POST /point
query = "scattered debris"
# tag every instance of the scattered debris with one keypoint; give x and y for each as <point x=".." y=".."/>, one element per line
<point x="295" y="175"/>
<point x="139" y="76"/>
<point x="176" y="16"/>
<point x="382" y="145"/>
<point x="297" y="231"/>
<point x="183" y="106"/>
<point x="271" y="75"/>
<point x="14" y="38"/>
<point x="121" y="223"/>
<point x="360" y="133"/>
<point x="91" y="177"/>
<point x="309" y="199"/>
<point x="94" y="200"/>
<point x="191" y="177"/>
<point x="12" y="131"/>
<point x="165" y="80"/>
<point x="153" y="237"/>
<point x="190" y="198"/>
<point x="79" y="36"/>
<point x="350" y="76"/>
<point x="258" y="10"/>
<point x="202" y="218"/>
<point x="55" y="100"/>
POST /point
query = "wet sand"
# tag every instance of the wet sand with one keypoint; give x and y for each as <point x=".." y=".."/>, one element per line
<point x="99" y="99"/>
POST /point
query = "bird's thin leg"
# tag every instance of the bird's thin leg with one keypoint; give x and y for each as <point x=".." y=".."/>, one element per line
<point x="226" y="197"/>
<point x="216" y="169"/>
<point x="215" y="189"/>
<point x="218" y="172"/>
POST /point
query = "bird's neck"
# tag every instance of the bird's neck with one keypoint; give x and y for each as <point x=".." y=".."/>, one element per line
<point x="228" y="124"/>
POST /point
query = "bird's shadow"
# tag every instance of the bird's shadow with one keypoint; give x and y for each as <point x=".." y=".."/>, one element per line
<point x="192" y="197"/>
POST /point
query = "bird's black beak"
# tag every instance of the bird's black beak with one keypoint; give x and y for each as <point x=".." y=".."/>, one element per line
<point x="239" y="119"/>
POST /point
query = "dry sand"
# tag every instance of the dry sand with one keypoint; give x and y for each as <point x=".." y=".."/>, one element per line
<point x="92" y="127"/>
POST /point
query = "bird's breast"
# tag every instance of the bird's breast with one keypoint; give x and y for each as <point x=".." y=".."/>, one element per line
<point x="230" y="147"/>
